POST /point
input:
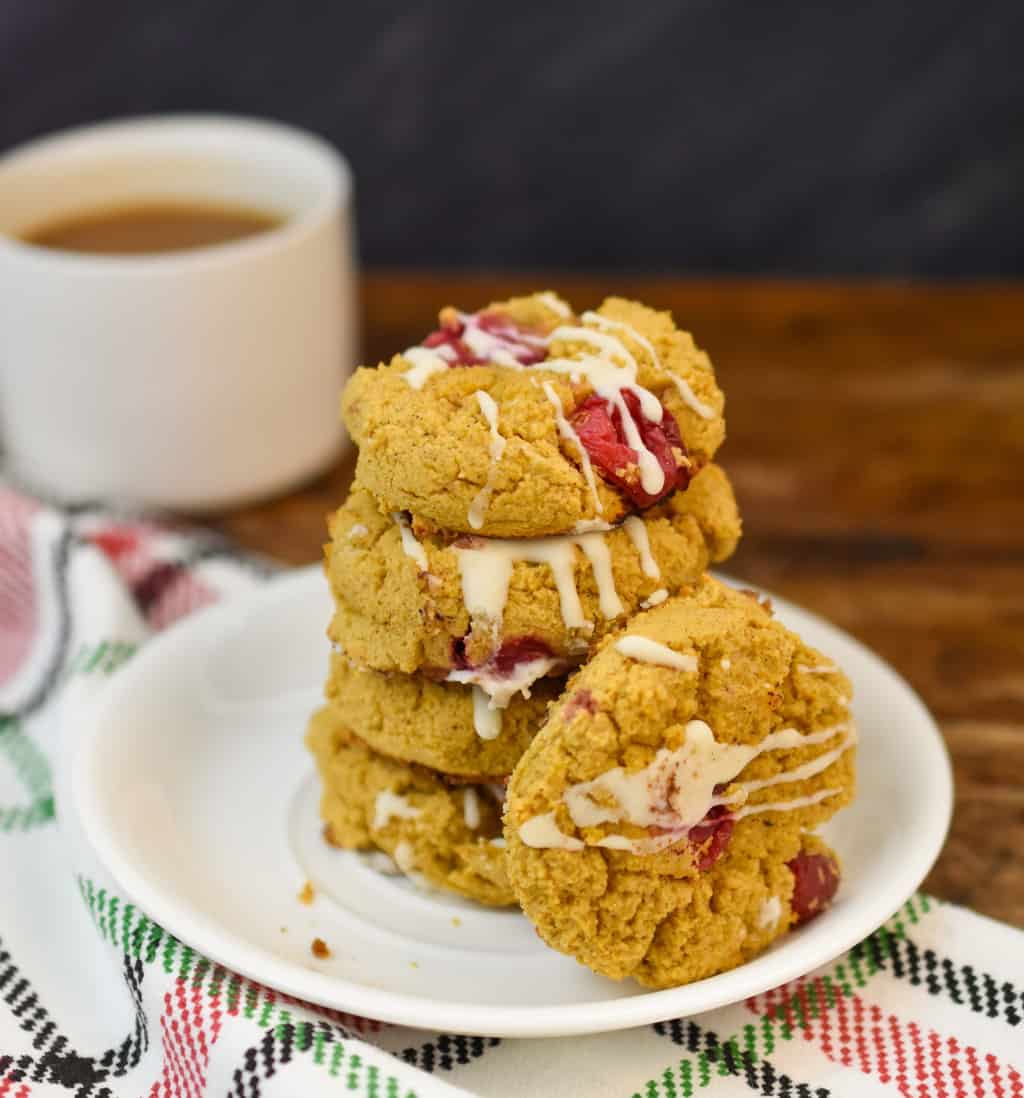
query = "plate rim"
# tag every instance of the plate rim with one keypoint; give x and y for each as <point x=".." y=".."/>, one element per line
<point x="194" y="928"/>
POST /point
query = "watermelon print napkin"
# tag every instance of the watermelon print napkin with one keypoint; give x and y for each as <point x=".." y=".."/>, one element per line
<point x="98" y="1001"/>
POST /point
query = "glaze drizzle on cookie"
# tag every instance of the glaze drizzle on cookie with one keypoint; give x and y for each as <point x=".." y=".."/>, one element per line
<point x="478" y="508"/>
<point x="676" y="790"/>
<point x="645" y="650"/>
<point x="568" y="432"/>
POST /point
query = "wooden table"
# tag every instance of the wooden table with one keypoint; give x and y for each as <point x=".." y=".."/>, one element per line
<point x="876" y="442"/>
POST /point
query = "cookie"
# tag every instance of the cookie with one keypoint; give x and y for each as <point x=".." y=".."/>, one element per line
<point x="500" y="613"/>
<point x="445" y="726"/>
<point x="524" y="420"/>
<point x="438" y="834"/>
<point x="658" y="823"/>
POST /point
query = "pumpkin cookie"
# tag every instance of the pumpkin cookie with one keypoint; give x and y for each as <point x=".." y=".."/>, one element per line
<point x="524" y="420"/>
<point x="658" y="823"/>
<point x="438" y="834"/>
<point x="445" y="726"/>
<point x="500" y="613"/>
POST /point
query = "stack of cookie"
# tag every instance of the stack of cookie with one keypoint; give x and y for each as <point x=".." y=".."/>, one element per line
<point x="528" y="481"/>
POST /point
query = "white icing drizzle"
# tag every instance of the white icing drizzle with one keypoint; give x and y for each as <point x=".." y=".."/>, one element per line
<point x="690" y="398"/>
<point x="487" y="345"/>
<point x="498" y="842"/>
<point x="501" y="688"/>
<point x="637" y="531"/>
<point x="568" y="432"/>
<point x="410" y="546"/>
<point x="471" y="808"/>
<point x="486" y="571"/>
<point x="608" y="324"/>
<point x="555" y="304"/>
<point x="817" y="669"/>
<point x="478" y="508"/>
<point x="770" y="913"/>
<point x="389" y="806"/>
<point x="486" y="715"/>
<point x="596" y="551"/>
<point x="425" y="363"/>
<point x="608" y="379"/>
<point x="726" y="663"/>
<point x="591" y="526"/>
<point x="676" y="790"/>
<point x="645" y="650"/>
<point x="357" y="530"/>
<point x="786" y="806"/>
<point x="808" y="769"/>
<point x="655" y="598"/>
<point x="542" y="831"/>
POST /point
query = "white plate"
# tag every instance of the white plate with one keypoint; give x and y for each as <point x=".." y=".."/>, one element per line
<point x="195" y="790"/>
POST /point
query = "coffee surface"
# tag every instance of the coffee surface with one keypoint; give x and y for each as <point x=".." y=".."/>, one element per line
<point x="151" y="227"/>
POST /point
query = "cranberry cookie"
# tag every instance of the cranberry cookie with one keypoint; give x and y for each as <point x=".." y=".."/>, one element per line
<point x="524" y="420"/>
<point x="443" y="725"/>
<point x="501" y="613"/>
<point x="659" y="824"/>
<point x="438" y="834"/>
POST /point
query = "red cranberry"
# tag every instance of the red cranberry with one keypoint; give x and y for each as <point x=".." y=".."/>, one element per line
<point x="598" y="423"/>
<point x="815" y="880"/>
<point x="711" y="836"/>
<point x="517" y="650"/>
<point x="708" y="839"/>
<point x="526" y="348"/>
<point x="581" y="701"/>
<point x="513" y="651"/>
<point x="450" y="335"/>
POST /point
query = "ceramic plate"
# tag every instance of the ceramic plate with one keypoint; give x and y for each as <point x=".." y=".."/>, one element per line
<point x="197" y="794"/>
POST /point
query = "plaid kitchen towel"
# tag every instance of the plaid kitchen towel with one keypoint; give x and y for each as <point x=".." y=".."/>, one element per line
<point x="97" y="1000"/>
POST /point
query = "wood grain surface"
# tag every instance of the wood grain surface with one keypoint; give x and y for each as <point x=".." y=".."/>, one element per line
<point x="876" y="442"/>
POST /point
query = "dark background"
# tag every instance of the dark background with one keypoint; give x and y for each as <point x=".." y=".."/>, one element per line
<point x="697" y="136"/>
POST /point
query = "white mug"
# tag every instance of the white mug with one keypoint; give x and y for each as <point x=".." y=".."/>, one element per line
<point x="189" y="379"/>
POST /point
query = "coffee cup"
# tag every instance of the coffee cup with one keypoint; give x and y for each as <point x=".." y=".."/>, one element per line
<point x="186" y="379"/>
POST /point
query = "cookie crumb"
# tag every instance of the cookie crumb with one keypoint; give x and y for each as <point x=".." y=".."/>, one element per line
<point x="456" y="921"/>
<point x="329" y="838"/>
<point x="307" y="894"/>
<point x="319" y="949"/>
<point x="414" y="964"/>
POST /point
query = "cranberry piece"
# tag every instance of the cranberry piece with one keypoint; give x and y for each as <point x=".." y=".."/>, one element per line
<point x="815" y="880"/>
<point x="598" y="423"/>
<point x="711" y="836"/>
<point x="513" y="651"/>
<point x="526" y="347"/>
<point x="581" y="701"/>
<point x="707" y="840"/>
<point x="450" y="335"/>
<point x="517" y="650"/>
